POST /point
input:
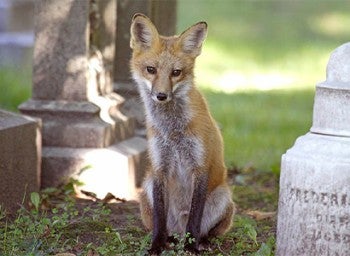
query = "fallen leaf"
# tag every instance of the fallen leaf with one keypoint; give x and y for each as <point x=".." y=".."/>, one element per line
<point x="89" y="194"/>
<point x="109" y="197"/>
<point x="258" y="215"/>
<point x="64" y="254"/>
<point x="92" y="253"/>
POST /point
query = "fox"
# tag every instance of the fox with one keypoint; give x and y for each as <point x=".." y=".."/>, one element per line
<point x="185" y="191"/>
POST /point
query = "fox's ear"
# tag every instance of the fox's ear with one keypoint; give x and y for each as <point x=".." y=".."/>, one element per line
<point x="143" y="33"/>
<point x="192" y="39"/>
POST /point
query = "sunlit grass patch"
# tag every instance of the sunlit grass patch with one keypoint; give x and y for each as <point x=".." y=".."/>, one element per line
<point x="264" y="45"/>
<point x="332" y="24"/>
<point x="221" y="70"/>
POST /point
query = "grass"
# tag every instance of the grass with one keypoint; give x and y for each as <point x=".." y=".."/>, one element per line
<point x="258" y="127"/>
<point x="55" y="221"/>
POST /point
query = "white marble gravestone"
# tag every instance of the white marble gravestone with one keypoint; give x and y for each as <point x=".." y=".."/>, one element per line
<point x="314" y="203"/>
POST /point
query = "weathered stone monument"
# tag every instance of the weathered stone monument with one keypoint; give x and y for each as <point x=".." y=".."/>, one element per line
<point x="20" y="158"/>
<point x="314" y="203"/>
<point x="82" y="125"/>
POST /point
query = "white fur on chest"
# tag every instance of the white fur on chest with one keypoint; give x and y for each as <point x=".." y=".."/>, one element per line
<point x="178" y="159"/>
<point x="178" y="156"/>
<point x="173" y="152"/>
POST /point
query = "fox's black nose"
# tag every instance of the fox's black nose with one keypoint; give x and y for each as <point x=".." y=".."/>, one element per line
<point x="162" y="96"/>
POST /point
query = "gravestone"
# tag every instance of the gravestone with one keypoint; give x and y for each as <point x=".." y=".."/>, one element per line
<point x="314" y="203"/>
<point x="73" y="95"/>
<point x="19" y="158"/>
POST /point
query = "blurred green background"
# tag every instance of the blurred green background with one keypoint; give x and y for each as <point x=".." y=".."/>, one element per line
<point x="15" y="87"/>
<point x="258" y="70"/>
<point x="259" y="67"/>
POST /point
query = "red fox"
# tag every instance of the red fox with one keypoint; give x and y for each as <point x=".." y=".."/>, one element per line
<point x="185" y="191"/>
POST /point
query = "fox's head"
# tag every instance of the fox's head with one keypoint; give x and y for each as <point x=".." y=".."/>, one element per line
<point x="163" y="66"/>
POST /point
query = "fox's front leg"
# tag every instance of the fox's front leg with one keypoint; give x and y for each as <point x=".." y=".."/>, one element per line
<point x="159" y="235"/>
<point x="196" y="212"/>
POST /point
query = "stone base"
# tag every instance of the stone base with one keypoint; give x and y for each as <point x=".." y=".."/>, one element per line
<point x="93" y="134"/>
<point x="118" y="169"/>
<point x="19" y="159"/>
<point x="133" y="105"/>
<point x="81" y="124"/>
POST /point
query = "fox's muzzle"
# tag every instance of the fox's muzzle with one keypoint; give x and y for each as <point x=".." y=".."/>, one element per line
<point x="161" y="97"/>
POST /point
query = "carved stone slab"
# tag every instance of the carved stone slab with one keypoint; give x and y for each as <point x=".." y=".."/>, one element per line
<point x="314" y="203"/>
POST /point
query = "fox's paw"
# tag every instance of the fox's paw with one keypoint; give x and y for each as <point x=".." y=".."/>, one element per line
<point x="157" y="247"/>
<point x="155" y="251"/>
<point x="192" y="247"/>
<point x="204" y="245"/>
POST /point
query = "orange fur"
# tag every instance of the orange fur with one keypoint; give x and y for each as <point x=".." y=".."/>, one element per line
<point x="185" y="142"/>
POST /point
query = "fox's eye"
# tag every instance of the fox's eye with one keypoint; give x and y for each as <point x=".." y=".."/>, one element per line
<point x="176" y="72"/>
<point x="151" y="70"/>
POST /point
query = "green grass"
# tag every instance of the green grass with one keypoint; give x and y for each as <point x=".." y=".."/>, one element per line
<point x="15" y="88"/>
<point x="55" y="223"/>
